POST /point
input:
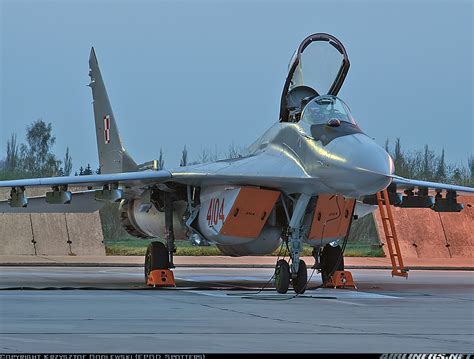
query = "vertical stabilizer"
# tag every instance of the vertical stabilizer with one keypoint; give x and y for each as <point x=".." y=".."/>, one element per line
<point x="112" y="156"/>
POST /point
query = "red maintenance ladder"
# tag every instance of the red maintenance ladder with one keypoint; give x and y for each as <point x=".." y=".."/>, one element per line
<point x="383" y="201"/>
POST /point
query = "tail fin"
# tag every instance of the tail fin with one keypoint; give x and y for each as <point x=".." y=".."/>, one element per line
<point x="112" y="156"/>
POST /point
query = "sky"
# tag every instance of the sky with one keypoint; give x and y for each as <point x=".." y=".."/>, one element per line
<point x="207" y="74"/>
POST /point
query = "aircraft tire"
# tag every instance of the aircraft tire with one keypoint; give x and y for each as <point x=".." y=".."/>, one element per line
<point x="329" y="257"/>
<point x="299" y="283"/>
<point x="282" y="276"/>
<point x="156" y="257"/>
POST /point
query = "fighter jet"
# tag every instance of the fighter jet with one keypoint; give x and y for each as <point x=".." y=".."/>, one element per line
<point x="303" y="181"/>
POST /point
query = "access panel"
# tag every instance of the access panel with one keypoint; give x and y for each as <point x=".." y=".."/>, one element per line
<point x="332" y="217"/>
<point x="235" y="212"/>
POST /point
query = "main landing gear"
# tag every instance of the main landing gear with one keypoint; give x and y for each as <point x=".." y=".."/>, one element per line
<point x="157" y="266"/>
<point x="332" y="260"/>
<point x="297" y="273"/>
<point x="159" y="258"/>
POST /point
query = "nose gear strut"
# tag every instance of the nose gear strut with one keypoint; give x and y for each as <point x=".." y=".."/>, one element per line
<point x="297" y="272"/>
<point x="295" y="239"/>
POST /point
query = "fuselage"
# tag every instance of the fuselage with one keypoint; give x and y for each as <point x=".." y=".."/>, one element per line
<point x="352" y="165"/>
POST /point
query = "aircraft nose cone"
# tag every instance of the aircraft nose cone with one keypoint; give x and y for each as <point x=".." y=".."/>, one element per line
<point x="367" y="166"/>
<point x="369" y="156"/>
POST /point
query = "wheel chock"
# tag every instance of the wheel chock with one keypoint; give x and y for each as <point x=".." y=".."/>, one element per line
<point x="161" y="278"/>
<point x="340" y="279"/>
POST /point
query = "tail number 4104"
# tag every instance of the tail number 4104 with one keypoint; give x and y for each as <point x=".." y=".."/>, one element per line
<point x="215" y="213"/>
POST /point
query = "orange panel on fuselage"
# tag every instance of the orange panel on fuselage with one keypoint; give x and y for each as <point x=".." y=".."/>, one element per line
<point x="249" y="212"/>
<point x="332" y="217"/>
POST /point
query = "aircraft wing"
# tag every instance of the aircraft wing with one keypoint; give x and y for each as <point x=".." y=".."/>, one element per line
<point x="131" y="178"/>
<point x="221" y="172"/>
<point x="406" y="183"/>
<point x="267" y="170"/>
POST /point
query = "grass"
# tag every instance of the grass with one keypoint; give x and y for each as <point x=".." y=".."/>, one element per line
<point x="137" y="247"/>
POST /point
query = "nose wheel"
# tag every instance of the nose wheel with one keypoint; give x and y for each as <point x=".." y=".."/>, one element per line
<point x="301" y="279"/>
<point x="283" y="277"/>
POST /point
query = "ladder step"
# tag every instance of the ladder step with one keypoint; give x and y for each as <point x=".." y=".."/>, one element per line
<point x="390" y="234"/>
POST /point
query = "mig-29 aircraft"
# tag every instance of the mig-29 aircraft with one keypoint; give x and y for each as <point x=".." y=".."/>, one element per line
<point x="303" y="181"/>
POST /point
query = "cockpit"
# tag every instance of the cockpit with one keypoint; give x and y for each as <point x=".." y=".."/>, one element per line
<point x="327" y="110"/>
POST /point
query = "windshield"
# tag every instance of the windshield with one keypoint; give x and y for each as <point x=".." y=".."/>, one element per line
<point x="325" y="108"/>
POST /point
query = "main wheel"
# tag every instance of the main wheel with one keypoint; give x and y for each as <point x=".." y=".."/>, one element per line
<point x="156" y="257"/>
<point x="282" y="276"/>
<point x="299" y="283"/>
<point x="329" y="261"/>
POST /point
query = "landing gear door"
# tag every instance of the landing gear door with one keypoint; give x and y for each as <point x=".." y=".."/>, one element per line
<point x="318" y="67"/>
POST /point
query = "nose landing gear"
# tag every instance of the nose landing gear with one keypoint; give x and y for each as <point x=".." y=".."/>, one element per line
<point x="297" y="273"/>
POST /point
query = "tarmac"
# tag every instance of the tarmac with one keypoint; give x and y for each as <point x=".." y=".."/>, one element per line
<point x="221" y="309"/>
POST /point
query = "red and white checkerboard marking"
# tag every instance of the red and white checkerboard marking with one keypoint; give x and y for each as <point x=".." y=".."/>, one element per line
<point x="107" y="129"/>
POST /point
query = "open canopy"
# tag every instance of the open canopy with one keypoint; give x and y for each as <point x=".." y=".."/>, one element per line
<point x="318" y="67"/>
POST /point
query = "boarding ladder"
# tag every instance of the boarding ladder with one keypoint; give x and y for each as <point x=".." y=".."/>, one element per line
<point x="383" y="201"/>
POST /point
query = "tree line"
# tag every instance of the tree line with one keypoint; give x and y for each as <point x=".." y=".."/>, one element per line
<point x="35" y="158"/>
<point x="425" y="164"/>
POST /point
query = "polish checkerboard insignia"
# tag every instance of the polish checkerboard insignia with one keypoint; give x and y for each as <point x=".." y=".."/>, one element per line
<point x="107" y="129"/>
